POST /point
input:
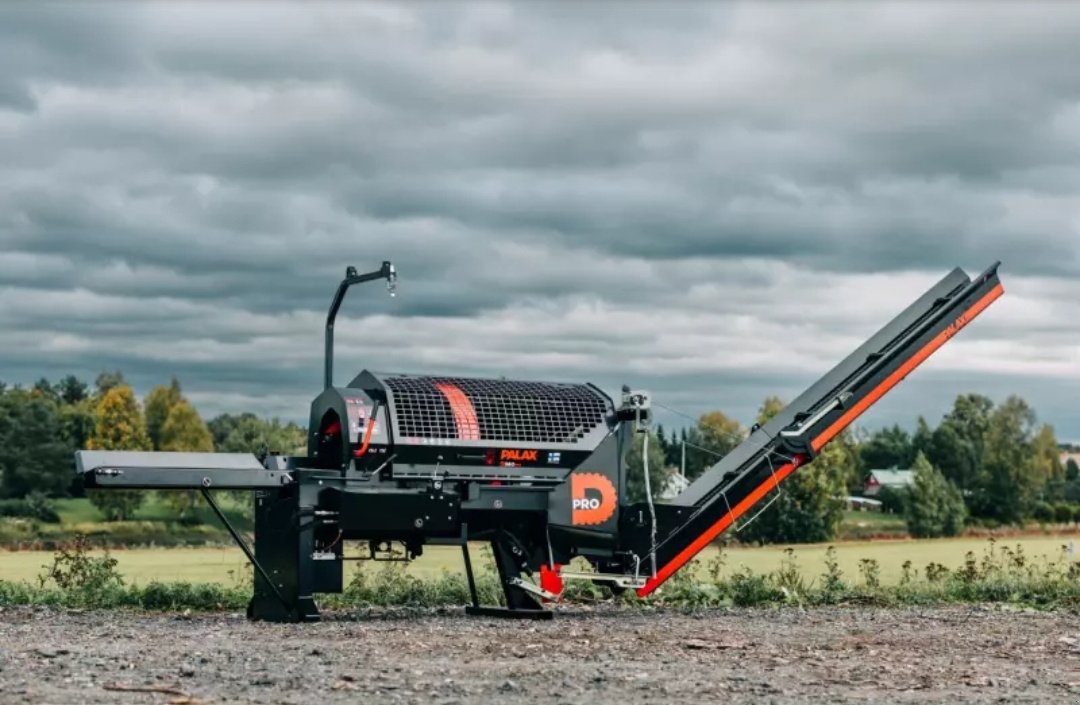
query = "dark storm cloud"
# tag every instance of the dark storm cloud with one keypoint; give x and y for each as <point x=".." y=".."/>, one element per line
<point x="717" y="201"/>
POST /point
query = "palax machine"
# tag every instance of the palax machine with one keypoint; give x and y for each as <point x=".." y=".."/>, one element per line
<point x="399" y="461"/>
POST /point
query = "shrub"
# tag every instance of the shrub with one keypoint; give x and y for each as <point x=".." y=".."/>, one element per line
<point x="34" y="506"/>
<point x="832" y="580"/>
<point x="1063" y="513"/>
<point x="790" y="579"/>
<point x="1003" y="574"/>
<point x="200" y="596"/>
<point x="871" y="572"/>
<point x="1043" y="512"/>
<point x="90" y="581"/>
<point x="750" y="590"/>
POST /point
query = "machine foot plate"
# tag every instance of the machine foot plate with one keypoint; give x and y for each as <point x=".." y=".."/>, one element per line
<point x="505" y="613"/>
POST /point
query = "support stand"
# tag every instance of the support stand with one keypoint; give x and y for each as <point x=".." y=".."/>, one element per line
<point x="246" y="549"/>
<point x="519" y="603"/>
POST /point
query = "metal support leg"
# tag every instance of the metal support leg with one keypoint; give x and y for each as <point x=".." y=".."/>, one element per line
<point x="244" y="547"/>
<point x="469" y="575"/>
<point x="519" y="603"/>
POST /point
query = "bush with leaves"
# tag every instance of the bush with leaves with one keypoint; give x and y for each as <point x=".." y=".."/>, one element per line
<point x="1043" y="512"/>
<point x="91" y="581"/>
<point x="34" y="506"/>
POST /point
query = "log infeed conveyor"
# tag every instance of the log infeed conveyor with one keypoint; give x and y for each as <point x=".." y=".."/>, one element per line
<point x="399" y="461"/>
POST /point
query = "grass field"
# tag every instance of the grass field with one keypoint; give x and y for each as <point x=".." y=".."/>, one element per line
<point x="222" y="565"/>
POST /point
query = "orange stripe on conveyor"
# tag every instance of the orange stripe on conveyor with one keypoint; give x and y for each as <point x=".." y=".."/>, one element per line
<point x="468" y="427"/>
<point x="718" y="528"/>
<point x="839" y="425"/>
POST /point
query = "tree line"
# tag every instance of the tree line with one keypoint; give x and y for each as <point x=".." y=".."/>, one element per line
<point x="42" y="426"/>
<point x="982" y="464"/>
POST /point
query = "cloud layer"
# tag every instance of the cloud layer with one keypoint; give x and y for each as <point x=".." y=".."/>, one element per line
<point x="716" y="202"/>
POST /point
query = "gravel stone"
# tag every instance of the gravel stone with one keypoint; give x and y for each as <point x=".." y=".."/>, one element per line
<point x="597" y="657"/>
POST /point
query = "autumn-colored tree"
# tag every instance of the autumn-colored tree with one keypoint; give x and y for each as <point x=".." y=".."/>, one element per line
<point x="159" y="402"/>
<point x="714" y="437"/>
<point x="184" y="430"/>
<point x="772" y="406"/>
<point x="119" y="426"/>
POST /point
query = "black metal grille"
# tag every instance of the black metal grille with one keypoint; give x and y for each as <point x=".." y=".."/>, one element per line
<point x="507" y="410"/>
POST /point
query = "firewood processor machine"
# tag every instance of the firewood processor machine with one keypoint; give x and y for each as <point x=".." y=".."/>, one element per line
<point x="395" y="462"/>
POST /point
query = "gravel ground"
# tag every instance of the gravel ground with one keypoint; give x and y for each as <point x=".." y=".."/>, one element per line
<point x="845" y="655"/>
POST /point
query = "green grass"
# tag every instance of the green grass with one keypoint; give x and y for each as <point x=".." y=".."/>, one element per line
<point x="876" y="519"/>
<point x="996" y="574"/>
<point x="76" y="510"/>
<point x="890" y="554"/>
<point x="206" y="565"/>
<point x="222" y="565"/>
<point x="80" y="511"/>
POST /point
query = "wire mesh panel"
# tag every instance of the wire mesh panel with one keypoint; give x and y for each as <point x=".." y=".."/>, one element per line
<point x="504" y="410"/>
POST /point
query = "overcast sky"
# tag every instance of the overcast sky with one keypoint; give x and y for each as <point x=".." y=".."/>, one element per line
<point x="714" y="202"/>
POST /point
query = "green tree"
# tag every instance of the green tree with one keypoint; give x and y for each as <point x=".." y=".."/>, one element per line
<point x="1013" y="472"/>
<point x="76" y="427"/>
<point x="119" y="426"/>
<point x="247" y="433"/>
<point x="714" y="437"/>
<point x="34" y="456"/>
<point x="957" y="447"/>
<point x="44" y="389"/>
<point x="635" y="468"/>
<point x="810" y="503"/>
<point x="888" y="448"/>
<point x="159" y="402"/>
<point x="106" y="381"/>
<point x="934" y="505"/>
<point x="922" y="440"/>
<point x="72" y="390"/>
<point x="1072" y="470"/>
<point x="661" y="438"/>
<point x="183" y="430"/>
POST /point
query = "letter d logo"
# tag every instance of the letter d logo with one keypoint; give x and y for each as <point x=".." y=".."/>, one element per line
<point x="593" y="498"/>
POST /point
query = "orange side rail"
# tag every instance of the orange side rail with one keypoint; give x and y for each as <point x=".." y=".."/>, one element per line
<point x="831" y="431"/>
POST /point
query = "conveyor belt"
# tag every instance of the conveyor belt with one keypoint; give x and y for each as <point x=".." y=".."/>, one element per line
<point x="791" y="439"/>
